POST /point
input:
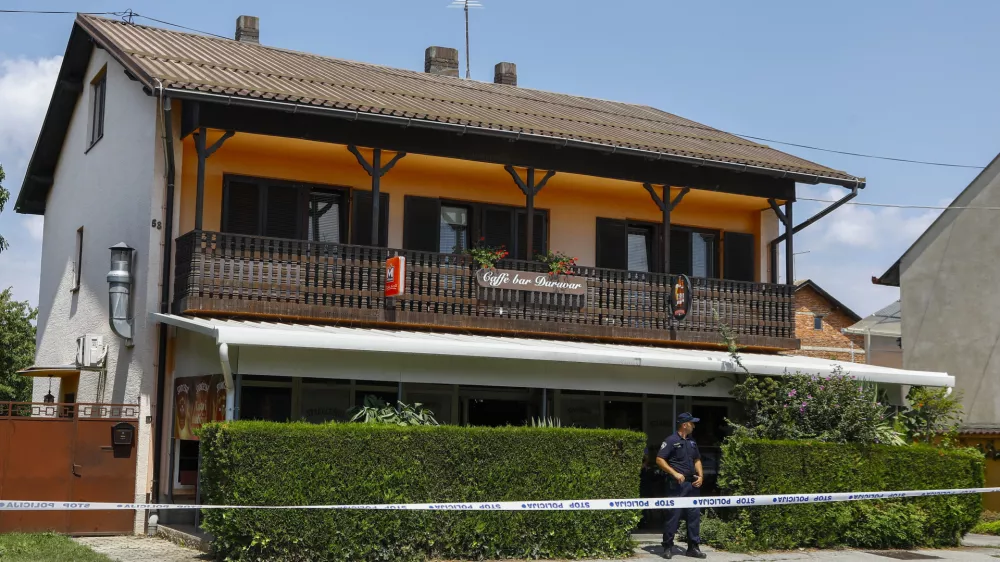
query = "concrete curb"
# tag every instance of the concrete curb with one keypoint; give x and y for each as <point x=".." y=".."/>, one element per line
<point x="188" y="538"/>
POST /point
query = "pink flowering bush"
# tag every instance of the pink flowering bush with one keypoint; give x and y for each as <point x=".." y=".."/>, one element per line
<point x="837" y="408"/>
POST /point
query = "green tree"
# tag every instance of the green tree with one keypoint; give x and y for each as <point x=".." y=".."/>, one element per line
<point x="4" y="196"/>
<point x="17" y="347"/>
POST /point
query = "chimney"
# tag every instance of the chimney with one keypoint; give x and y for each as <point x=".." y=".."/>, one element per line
<point x="505" y="73"/>
<point x="248" y="29"/>
<point x="441" y="60"/>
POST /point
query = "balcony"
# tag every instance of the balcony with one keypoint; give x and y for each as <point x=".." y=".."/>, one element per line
<point x="231" y="275"/>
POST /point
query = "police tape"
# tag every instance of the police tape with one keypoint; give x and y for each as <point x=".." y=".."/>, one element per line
<point x="556" y="505"/>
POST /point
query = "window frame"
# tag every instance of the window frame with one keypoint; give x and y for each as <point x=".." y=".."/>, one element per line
<point x="477" y="210"/>
<point x="470" y="214"/>
<point x="649" y="230"/>
<point x="78" y="262"/>
<point x="97" y="108"/>
<point x="716" y="261"/>
<point x="818" y="322"/>
<point x="303" y="190"/>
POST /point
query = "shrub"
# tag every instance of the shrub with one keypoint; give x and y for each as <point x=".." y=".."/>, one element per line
<point x="987" y="528"/>
<point x="934" y="415"/>
<point x="265" y="463"/>
<point x="836" y="408"/>
<point x="751" y="467"/>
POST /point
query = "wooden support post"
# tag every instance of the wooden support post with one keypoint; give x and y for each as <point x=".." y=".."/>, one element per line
<point x="376" y="170"/>
<point x="376" y="165"/>
<point x="666" y="227"/>
<point x="199" y="205"/>
<point x="666" y="205"/>
<point x="530" y="189"/>
<point x="789" y="253"/>
<point x="530" y="196"/>
<point x="203" y="154"/>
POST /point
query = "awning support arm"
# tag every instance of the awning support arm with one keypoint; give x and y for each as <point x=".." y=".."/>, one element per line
<point x="772" y="246"/>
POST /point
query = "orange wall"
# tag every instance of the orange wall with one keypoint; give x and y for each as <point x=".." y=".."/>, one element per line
<point x="573" y="201"/>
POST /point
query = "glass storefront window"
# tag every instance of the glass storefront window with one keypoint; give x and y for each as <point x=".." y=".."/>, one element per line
<point x="266" y="403"/>
<point x="322" y="403"/>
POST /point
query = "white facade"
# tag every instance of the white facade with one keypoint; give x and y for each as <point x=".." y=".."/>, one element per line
<point x="112" y="190"/>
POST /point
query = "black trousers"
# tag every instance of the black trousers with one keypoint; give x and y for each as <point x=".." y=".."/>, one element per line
<point x="692" y="515"/>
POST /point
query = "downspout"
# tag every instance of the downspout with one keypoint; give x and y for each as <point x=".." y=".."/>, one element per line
<point x="773" y="244"/>
<point x="168" y="234"/>
<point x="227" y="375"/>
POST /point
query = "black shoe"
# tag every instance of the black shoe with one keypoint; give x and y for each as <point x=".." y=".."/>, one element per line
<point x="695" y="552"/>
<point x="668" y="551"/>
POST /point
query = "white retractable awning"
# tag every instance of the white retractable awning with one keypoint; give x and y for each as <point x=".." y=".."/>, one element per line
<point x="323" y="337"/>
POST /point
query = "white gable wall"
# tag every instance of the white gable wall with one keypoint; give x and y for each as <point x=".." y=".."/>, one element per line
<point x="113" y="190"/>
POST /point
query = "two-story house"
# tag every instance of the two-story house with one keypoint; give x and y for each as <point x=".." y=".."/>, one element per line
<point x="258" y="193"/>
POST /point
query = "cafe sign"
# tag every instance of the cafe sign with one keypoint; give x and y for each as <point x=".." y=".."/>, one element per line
<point x="527" y="281"/>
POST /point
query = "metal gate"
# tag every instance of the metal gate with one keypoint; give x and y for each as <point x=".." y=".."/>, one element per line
<point x="64" y="452"/>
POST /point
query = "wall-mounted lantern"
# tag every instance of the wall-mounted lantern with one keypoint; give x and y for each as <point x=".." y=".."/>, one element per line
<point x="48" y="398"/>
<point x="119" y="290"/>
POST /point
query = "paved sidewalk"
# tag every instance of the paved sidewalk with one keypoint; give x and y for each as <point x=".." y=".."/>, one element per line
<point x="141" y="549"/>
<point x="976" y="547"/>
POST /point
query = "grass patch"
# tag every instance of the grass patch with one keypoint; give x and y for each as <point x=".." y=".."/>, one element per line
<point x="45" y="547"/>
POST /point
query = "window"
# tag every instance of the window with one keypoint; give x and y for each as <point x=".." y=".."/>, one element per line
<point x="98" y="91"/>
<point x="78" y="263"/>
<point x="433" y="225"/>
<point x="694" y="252"/>
<point x="818" y="323"/>
<point x="280" y="209"/>
<point x="186" y="463"/>
<point x="454" y="237"/>
<point x="640" y="244"/>
<point x="324" y="216"/>
<point x="637" y="246"/>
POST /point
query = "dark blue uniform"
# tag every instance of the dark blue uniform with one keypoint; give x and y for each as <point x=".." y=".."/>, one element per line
<point x="680" y="454"/>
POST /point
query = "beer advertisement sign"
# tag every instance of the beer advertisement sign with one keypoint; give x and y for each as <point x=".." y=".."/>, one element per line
<point x="395" y="274"/>
<point x="197" y="401"/>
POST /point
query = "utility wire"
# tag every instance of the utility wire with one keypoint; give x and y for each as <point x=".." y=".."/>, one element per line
<point x="894" y="206"/>
<point x="180" y="26"/>
<point x="861" y="155"/>
<point x="130" y="14"/>
<point x="51" y="12"/>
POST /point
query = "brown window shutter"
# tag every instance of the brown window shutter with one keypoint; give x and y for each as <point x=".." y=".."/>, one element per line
<point x="738" y="258"/>
<point x="680" y="251"/>
<point x="241" y="208"/>
<point x="498" y="227"/>
<point x="282" y="213"/>
<point x="361" y="222"/>
<point x="539" y="235"/>
<point x="612" y="243"/>
<point x="421" y="223"/>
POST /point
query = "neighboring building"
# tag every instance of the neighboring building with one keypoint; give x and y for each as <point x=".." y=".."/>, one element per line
<point x="882" y="336"/>
<point x="263" y="191"/>
<point x="820" y="321"/>
<point x="948" y="285"/>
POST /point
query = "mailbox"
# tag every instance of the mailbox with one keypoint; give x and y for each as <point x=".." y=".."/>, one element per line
<point x="123" y="435"/>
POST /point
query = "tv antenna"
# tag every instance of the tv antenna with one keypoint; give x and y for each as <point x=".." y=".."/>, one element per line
<point x="466" y="4"/>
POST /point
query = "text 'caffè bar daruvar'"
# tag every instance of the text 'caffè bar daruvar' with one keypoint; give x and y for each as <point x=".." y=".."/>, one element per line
<point x="335" y="229"/>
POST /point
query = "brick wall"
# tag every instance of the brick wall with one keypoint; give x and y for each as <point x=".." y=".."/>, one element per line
<point x="809" y="303"/>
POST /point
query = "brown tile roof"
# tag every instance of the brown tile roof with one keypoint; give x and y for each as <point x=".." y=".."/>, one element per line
<point x="208" y="64"/>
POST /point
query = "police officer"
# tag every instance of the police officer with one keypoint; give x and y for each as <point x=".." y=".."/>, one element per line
<point x="680" y="460"/>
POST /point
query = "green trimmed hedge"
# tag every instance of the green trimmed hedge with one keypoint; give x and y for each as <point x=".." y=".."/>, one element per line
<point x="265" y="463"/>
<point x="786" y="467"/>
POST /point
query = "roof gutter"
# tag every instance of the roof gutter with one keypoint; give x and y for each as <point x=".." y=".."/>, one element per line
<point x="800" y="177"/>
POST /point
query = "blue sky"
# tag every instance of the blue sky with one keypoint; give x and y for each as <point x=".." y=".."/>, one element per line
<point x="911" y="78"/>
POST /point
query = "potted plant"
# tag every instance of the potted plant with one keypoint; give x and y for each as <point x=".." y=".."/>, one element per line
<point x="486" y="256"/>
<point x="558" y="262"/>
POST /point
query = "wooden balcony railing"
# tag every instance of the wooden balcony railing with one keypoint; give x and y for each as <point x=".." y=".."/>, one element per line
<point x="252" y="276"/>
